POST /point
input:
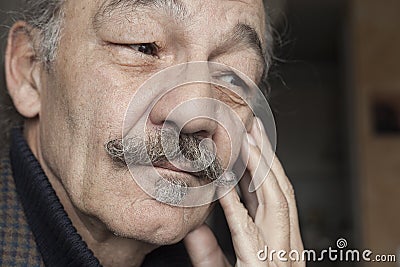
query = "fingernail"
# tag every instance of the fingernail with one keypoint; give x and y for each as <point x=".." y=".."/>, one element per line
<point x="261" y="124"/>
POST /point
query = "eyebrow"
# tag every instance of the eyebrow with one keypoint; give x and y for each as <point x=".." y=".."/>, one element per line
<point x="242" y="34"/>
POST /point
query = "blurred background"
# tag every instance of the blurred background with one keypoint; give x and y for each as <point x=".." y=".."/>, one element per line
<point x="336" y="98"/>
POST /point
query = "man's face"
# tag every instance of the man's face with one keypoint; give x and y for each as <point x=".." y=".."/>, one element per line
<point x="107" y="51"/>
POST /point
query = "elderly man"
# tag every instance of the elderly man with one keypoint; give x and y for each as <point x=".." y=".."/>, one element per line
<point x="68" y="196"/>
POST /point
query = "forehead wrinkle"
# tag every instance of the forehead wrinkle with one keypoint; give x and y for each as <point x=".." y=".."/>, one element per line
<point x="172" y="8"/>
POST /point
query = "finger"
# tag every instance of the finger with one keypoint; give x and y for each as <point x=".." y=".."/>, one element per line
<point x="288" y="191"/>
<point x="246" y="237"/>
<point x="249" y="198"/>
<point x="259" y="132"/>
<point x="203" y="248"/>
<point x="255" y="166"/>
<point x="272" y="215"/>
<point x="261" y="138"/>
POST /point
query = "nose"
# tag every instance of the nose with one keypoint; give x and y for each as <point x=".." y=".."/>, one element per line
<point x="190" y="108"/>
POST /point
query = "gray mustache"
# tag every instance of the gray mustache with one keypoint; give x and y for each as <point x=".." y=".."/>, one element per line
<point x="162" y="145"/>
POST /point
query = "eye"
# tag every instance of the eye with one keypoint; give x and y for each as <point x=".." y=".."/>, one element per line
<point x="232" y="78"/>
<point x="150" y="49"/>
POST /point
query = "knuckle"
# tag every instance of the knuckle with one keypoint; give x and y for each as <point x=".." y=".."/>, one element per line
<point x="281" y="212"/>
<point x="244" y="223"/>
<point x="246" y="227"/>
<point x="250" y="228"/>
<point x="282" y="206"/>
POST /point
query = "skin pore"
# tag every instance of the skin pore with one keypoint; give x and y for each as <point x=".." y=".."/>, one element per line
<point x="107" y="50"/>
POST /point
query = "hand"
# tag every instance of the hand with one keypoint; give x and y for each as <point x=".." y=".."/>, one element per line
<point x="268" y="219"/>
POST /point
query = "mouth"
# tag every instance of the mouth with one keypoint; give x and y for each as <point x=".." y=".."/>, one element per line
<point x="170" y="172"/>
<point x="169" y="166"/>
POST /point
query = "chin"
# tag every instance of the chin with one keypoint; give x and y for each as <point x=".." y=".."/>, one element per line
<point x="123" y="208"/>
<point x="156" y="223"/>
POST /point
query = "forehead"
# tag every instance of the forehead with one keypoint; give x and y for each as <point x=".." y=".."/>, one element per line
<point x="179" y="7"/>
<point x="203" y="23"/>
<point x="205" y="16"/>
<point x="251" y="11"/>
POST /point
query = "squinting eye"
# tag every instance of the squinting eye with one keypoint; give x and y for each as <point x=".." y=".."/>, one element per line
<point x="233" y="79"/>
<point x="150" y="49"/>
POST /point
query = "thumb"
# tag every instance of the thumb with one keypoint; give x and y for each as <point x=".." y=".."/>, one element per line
<point x="203" y="248"/>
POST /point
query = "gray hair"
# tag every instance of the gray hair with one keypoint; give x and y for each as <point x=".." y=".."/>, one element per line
<point x="46" y="16"/>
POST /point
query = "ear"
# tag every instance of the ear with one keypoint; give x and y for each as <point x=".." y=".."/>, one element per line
<point x="22" y="70"/>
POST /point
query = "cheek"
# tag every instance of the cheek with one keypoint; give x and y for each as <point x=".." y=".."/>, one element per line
<point x="234" y="122"/>
<point x="93" y="100"/>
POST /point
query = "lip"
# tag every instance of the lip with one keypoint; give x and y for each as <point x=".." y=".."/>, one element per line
<point x="171" y="167"/>
<point x="189" y="179"/>
<point x="169" y="171"/>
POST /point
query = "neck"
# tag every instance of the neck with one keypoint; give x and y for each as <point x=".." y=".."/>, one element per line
<point x="111" y="250"/>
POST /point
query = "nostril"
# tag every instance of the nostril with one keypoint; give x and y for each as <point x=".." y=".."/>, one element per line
<point x="200" y="127"/>
<point x="202" y="135"/>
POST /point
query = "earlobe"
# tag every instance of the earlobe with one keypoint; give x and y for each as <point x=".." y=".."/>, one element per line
<point x="22" y="73"/>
